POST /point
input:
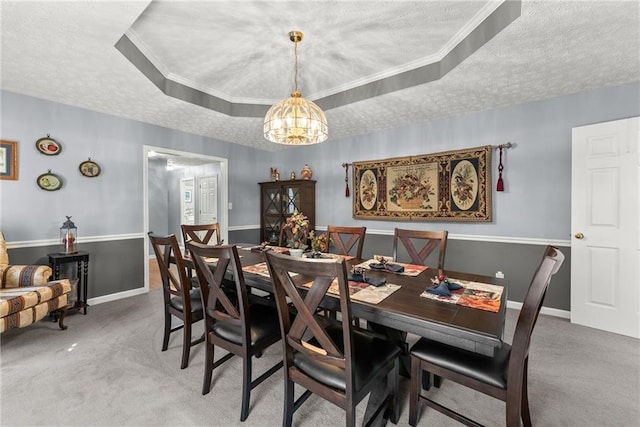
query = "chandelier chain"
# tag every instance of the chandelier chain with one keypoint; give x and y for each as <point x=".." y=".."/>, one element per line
<point x="295" y="54"/>
<point x="295" y="120"/>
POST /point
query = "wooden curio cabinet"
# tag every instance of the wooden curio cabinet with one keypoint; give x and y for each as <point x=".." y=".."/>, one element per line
<point x="279" y="200"/>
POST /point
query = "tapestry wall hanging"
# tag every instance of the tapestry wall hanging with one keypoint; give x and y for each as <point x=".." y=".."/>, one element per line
<point x="447" y="186"/>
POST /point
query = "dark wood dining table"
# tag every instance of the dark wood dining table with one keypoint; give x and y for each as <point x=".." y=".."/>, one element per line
<point x="405" y="311"/>
<point x="470" y="328"/>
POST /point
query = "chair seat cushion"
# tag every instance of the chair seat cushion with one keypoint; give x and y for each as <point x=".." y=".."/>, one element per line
<point x="196" y="301"/>
<point x="263" y="324"/>
<point x="486" y="369"/>
<point x="370" y="353"/>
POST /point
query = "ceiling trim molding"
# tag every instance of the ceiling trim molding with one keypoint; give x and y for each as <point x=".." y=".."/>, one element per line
<point x="490" y="26"/>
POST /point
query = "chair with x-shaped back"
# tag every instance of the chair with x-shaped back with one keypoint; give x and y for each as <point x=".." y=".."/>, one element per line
<point x="503" y="375"/>
<point x="201" y="233"/>
<point x="181" y="297"/>
<point x="344" y="239"/>
<point x="332" y="359"/>
<point x="430" y="240"/>
<point x="232" y="322"/>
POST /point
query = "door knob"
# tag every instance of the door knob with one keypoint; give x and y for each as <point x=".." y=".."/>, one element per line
<point x="579" y="236"/>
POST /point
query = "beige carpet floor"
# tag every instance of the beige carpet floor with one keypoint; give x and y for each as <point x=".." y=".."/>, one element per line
<point x="107" y="370"/>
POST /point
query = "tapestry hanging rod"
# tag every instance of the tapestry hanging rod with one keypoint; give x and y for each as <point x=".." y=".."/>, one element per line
<point x="507" y="145"/>
<point x="500" y="186"/>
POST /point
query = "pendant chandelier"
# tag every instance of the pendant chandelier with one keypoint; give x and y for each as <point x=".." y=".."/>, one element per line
<point x="294" y="120"/>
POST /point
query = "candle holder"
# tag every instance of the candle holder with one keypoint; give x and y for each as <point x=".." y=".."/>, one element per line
<point x="68" y="237"/>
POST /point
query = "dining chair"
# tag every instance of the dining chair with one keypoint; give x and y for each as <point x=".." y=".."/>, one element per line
<point x="181" y="297"/>
<point x="201" y="233"/>
<point x="344" y="239"/>
<point x="427" y="241"/>
<point x="331" y="359"/>
<point x="503" y="376"/>
<point x="231" y="322"/>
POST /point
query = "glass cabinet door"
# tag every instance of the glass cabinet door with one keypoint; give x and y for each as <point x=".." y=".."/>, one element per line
<point x="280" y="200"/>
<point x="291" y="200"/>
<point x="272" y="201"/>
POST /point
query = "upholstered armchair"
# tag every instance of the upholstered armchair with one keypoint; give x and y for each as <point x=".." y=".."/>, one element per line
<point x="26" y="294"/>
<point x="13" y="276"/>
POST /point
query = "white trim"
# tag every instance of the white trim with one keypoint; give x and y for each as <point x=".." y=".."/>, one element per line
<point x="243" y="227"/>
<point x="90" y="239"/>
<point x="467" y="237"/>
<point x="117" y="296"/>
<point x="564" y="314"/>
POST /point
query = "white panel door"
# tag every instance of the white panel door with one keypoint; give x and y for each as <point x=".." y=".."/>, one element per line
<point x="187" y="201"/>
<point x="605" y="222"/>
<point x="208" y="200"/>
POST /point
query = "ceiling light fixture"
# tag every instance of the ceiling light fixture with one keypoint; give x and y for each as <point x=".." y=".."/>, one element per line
<point x="294" y="120"/>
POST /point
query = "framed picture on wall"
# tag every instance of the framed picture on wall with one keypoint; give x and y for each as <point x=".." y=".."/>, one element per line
<point x="48" y="146"/>
<point x="187" y="196"/>
<point x="9" y="160"/>
<point x="447" y="186"/>
<point x="89" y="168"/>
<point x="49" y="181"/>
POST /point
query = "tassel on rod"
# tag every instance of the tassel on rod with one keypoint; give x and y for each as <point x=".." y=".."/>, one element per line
<point x="500" y="184"/>
<point x="346" y="179"/>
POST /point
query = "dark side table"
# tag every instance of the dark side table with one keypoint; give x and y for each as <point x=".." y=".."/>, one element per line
<point x="81" y="259"/>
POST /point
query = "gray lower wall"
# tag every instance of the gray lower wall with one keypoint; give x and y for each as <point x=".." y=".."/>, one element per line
<point x="114" y="266"/>
<point x="518" y="262"/>
<point x="535" y="206"/>
<point x="118" y="266"/>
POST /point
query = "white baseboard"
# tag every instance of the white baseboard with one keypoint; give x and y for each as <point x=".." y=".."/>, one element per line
<point x="133" y="292"/>
<point x="117" y="296"/>
<point x="544" y="310"/>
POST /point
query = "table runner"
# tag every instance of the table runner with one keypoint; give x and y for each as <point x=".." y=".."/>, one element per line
<point x="473" y="294"/>
<point x="359" y="291"/>
<point x="260" y="269"/>
<point x="257" y="248"/>
<point x="409" y="269"/>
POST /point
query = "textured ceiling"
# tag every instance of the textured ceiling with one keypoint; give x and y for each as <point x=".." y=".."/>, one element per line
<point x="238" y="51"/>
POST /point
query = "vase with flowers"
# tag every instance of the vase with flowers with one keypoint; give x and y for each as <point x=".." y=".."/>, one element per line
<point x="297" y="232"/>
<point x="319" y="243"/>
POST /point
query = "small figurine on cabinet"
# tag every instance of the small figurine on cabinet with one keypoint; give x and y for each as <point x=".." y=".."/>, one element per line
<point x="293" y="175"/>
<point x="306" y="172"/>
<point x="275" y="176"/>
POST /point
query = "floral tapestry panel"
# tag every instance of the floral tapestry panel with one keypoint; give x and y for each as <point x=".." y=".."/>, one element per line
<point x="447" y="186"/>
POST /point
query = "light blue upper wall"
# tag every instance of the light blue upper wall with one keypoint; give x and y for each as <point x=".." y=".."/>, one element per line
<point x="536" y="203"/>
<point x="111" y="203"/>
<point x="537" y="198"/>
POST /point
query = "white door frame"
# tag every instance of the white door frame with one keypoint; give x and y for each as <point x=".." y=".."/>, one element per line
<point x="223" y="188"/>
<point x="605" y="282"/>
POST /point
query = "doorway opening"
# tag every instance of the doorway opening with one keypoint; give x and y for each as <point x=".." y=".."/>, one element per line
<point x="178" y="158"/>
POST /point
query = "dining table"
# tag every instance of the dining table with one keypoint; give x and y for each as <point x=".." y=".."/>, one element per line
<point x="404" y="310"/>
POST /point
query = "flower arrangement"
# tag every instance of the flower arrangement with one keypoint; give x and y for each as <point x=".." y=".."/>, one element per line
<point x="321" y="242"/>
<point x="298" y="229"/>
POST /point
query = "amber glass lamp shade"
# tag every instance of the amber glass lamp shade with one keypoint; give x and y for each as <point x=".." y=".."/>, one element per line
<point x="295" y="121"/>
<point x="68" y="237"/>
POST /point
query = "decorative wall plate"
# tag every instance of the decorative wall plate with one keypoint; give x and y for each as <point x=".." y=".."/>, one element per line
<point x="48" y="146"/>
<point x="89" y="168"/>
<point x="49" y="181"/>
